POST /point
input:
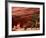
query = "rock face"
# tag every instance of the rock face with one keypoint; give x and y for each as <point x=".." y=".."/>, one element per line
<point x="23" y="16"/>
<point x="23" y="11"/>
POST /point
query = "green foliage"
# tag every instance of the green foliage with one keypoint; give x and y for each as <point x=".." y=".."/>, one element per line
<point x="35" y="18"/>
